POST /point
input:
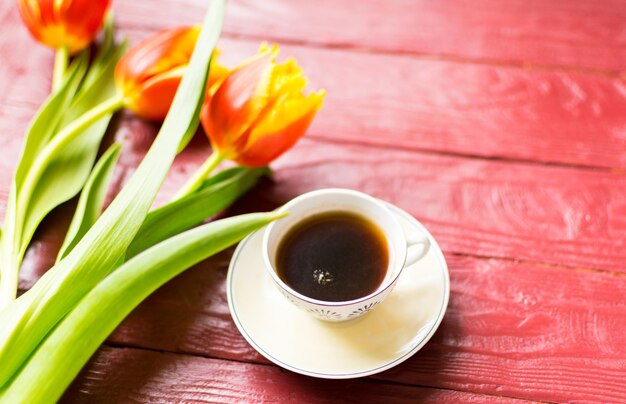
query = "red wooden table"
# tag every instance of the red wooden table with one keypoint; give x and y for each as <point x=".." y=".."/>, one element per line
<point x="500" y="124"/>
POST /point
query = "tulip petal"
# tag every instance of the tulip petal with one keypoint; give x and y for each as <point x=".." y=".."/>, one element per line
<point x="287" y="80"/>
<point x="157" y="93"/>
<point x="217" y="74"/>
<point x="279" y="130"/>
<point x="150" y="72"/>
<point x="83" y="19"/>
<point x="238" y="102"/>
<point x="64" y="23"/>
<point x="166" y="50"/>
<point x="156" y="96"/>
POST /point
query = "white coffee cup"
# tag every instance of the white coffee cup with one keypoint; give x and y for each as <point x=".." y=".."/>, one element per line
<point x="403" y="250"/>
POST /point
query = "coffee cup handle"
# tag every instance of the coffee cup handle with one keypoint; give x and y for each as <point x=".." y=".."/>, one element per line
<point x="417" y="247"/>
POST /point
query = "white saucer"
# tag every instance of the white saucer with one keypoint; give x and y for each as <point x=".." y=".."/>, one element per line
<point x="381" y="339"/>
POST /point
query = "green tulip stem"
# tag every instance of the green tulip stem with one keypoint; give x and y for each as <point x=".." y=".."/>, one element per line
<point x="200" y="175"/>
<point x="61" y="59"/>
<point x="76" y="127"/>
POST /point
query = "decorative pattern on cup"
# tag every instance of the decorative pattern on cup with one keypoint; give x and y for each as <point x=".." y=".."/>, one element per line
<point x="362" y="310"/>
<point x="287" y="295"/>
<point x="326" y="314"/>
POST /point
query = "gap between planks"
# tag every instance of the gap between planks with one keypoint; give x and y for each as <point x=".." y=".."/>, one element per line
<point x="372" y="378"/>
<point x="446" y="57"/>
<point x="459" y="252"/>
<point x="490" y="155"/>
<point x="540" y="264"/>
<point x="414" y="149"/>
<point x="434" y="152"/>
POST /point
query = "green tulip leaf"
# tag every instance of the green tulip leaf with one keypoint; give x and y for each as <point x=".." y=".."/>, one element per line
<point x="182" y="214"/>
<point x="49" y="116"/>
<point x="27" y="320"/>
<point x="65" y="171"/>
<point x="64" y="352"/>
<point x="91" y="199"/>
<point x="38" y="134"/>
<point x="105" y="53"/>
<point x="53" y="178"/>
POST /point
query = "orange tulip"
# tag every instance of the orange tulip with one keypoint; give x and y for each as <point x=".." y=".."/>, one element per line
<point x="70" y="24"/>
<point x="259" y="110"/>
<point x="149" y="74"/>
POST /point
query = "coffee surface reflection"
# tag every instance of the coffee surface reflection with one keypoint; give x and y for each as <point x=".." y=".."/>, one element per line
<point x="333" y="256"/>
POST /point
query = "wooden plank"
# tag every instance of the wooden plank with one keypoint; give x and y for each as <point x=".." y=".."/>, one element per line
<point x="429" y="105"/>
<point x="534" y="332"/>
<point x="464" y="109"/>
<point x="17" y="62"/>
<point x="516" y="329"/>
<point x="479" y="207"/>
<point x="513" y="329"/>
<point x="476" y="207"/>
<point x="529" y="331"/>
<point x="572" y="33"/>
<point x="132" y="375"/>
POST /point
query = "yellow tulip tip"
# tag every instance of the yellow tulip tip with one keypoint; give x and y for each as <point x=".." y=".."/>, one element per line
<point x="271" y="49"/>
<point x="317" y="98"/>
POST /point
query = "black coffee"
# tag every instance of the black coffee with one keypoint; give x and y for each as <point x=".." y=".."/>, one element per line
<point x="335" y="256"/>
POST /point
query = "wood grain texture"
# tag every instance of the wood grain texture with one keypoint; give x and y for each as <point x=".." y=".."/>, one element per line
<point x="514" y="329"/>
<point x="403" y="102"/>
<point x="487" y="208"/>
<point x="572" y="33"/>
<point x="566" y="216"/>
<point x="478" y="207"/>
<point x="486" y="111"/>
<point x="522" y="330"/>
<point x="541" y="331"/>
<point x="25" y="76"/>
<point x="132" y="375"/>
<point x="533" y="332"/>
